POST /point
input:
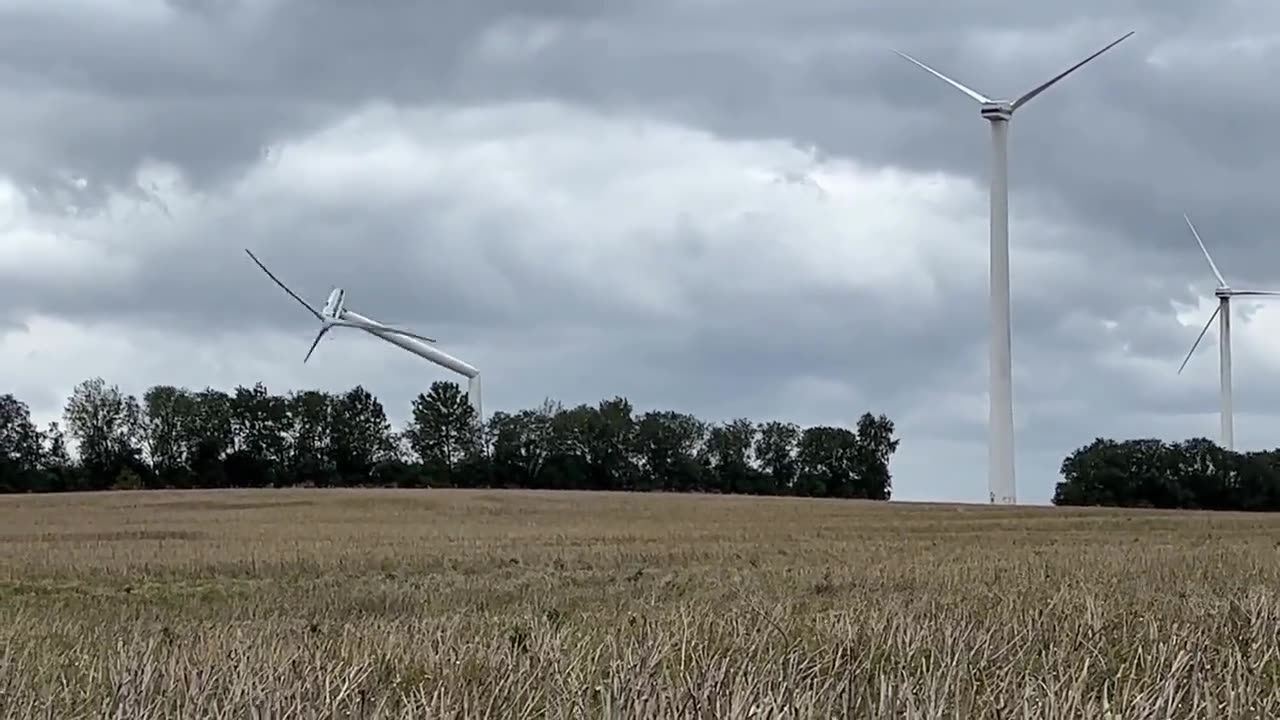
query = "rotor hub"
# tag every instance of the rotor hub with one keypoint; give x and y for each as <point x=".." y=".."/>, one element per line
<point x="1222" y="292"/>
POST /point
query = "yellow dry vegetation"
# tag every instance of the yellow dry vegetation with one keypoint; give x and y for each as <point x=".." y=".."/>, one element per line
<point x="515" y="604"/>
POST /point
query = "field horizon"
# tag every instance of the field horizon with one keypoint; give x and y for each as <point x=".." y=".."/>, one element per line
<point x="381" y="602"/>
<point x="378" y="489"/>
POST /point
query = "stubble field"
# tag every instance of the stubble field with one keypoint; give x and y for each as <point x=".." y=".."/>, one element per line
<point x="513" y="604"/>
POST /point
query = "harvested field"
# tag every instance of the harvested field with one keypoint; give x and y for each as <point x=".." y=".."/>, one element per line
<point x="440" y="603"/>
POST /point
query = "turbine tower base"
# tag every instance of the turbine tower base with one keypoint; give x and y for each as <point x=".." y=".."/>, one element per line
<point x="473" y="394"/>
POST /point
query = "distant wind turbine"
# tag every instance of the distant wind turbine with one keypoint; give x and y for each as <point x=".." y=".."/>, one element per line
<point x="1223" y="312"/>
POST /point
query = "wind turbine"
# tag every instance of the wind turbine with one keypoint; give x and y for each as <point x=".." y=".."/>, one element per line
<point x="335" y="314"/>
<point x="999" y="113"/>
<point x="1224" y="292"/>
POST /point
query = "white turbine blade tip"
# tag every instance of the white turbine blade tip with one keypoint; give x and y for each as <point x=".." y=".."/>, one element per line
<point x="1212" y="265"/>
<point x="382" y="328"/>
<point x="953" y="83"/>
<point x="407" y="333"/>
<point x="1057" y="78"/>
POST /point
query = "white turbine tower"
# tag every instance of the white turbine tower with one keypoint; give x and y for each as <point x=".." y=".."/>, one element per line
<point x="999" y="112"/>
<point x="1224" y="292"/>
<point x="335" y="314"/>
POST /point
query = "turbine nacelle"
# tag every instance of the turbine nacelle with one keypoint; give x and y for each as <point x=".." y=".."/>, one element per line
<point x="333" y="306"/>
<point x="997" y="111"/>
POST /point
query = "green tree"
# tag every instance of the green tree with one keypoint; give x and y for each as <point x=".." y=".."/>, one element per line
<point x="776" y="447"/>
<point x="179" y="438"/>
<point x="443" y="433"/>
<point x="667" y="445"/>
<point x="1193" y="473"/>
<point x="169" y="415"/>
<point x="827" y="460"/>
<point x="211" y="438"/>
<point x="60" y="472"/>
<point x="21" y="454"/>
<point x="729" y="456"/>
<point x="259" y="421"/>
<point x="609" y="438"/>
<point x="308" y="437"/>
<point x="568" y="465"/>
<point x="522" y="444"/>
<point x="360" y="435"/>
<point x="876" y="446"/>
<point x="107" y="426"/>
<point x="1257" y="481"/>
<point x="1149" y="472"/>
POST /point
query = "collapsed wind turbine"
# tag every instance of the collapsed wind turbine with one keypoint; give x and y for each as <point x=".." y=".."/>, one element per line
<point x="1224" y="292"/>
<point x="999" y="112"/>
<point x="335" y="314"/>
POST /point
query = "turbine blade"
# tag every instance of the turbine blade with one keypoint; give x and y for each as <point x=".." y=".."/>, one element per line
<point x="1036" y="91"/>
<point x="1205" y="250"/>
<point x="1201" y="337"/>
<point x="316" y="342"/>
<point x="407" y="333"/>
<point x="384" y="328"/>
<point x="1256" y="292"/>
<point x="966" y="90"/>
<point x="292" y="294"/>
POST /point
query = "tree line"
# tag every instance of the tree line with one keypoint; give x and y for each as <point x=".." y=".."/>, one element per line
<point x="179" y="438"/>
<point x="1191" y="474"/>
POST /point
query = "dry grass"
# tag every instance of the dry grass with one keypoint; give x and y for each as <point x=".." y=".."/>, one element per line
<point x="520" y="604"/>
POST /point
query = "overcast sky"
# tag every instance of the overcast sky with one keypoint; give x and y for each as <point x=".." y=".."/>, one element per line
<point x="586" y="198"/>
